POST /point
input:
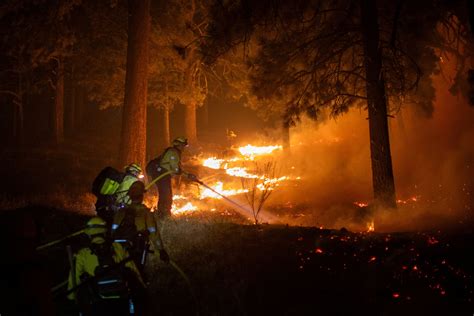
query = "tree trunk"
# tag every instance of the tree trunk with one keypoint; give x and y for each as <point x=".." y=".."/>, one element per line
<point x="58" y="116"/>
<point x="79" y="101"/>
<point x="163" y="128"/>
<point x="190" y="129"/>
<point x="72" y="105"/>
<point x="285" y="135"/>
<point x="18" y="120"/>
<point x="133" y="138"/>
<point x="382" y="173"/>
<point x="205" y="114"/>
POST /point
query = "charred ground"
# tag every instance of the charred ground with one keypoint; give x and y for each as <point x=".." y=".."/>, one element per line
<point x="236" y="268"/>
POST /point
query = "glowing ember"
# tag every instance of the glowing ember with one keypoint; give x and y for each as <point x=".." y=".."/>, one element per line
<point x="370" y="227"/>
<point x="188" y="207"/>
<point x="361" y="204"/>
<point x="411" y="199"/>
<point x="250" y="150"/>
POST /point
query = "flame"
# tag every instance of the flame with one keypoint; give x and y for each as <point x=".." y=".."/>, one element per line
<point x="234" y="166"/>
<point x="270" y="184"/>
<point x="188" y="207"/>
<point x="371" y="226"/>
<point x="240" y="172"/>
<point x="212" y="163"/>
<point x="219" y="187"/>
<point x="251" y="151"/>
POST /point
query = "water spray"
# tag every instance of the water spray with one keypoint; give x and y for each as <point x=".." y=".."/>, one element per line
<point x="266" y="217"/>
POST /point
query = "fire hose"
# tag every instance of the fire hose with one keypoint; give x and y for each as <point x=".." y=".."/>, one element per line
<point x="221" y="195"/>
<point x="156" y="179"/>
<point x="57" y="241"/>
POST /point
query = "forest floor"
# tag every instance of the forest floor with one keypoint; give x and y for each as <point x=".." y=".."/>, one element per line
<point x="235" y="267"/>
<point x="243" y="269"/>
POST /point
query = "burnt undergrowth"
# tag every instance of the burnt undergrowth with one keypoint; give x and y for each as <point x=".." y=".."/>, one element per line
<point x="243" y="269"/>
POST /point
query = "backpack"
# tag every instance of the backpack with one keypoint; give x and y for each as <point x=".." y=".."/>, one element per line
<point x="110" y="282"/>
<point x="107" y="181"/>
<point x="127" y="229"/>
<point x="152" y="166"/>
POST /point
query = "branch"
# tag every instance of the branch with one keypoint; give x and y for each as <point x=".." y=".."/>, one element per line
<point x="14" y="94"/>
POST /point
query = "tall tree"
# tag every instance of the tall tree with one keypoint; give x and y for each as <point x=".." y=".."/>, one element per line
<point x="39" y="36"/>
<point x="333" y="54"/>
<point x="382" y="173"/>
<point x="133" y="137"/>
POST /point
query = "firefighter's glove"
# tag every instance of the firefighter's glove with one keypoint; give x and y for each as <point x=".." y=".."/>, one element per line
<point x="192" y="177"/>
<point x="164" y="256"/>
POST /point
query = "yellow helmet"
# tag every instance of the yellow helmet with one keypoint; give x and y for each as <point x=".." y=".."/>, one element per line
<point x="133" y="169"/>
<point x="180" y="141"/>
<point x="95" y="226"/>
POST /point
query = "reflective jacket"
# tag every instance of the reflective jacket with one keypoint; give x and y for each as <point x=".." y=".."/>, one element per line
<point x="122" y="191"/>
<point x="142" y="222"/>
<point x="171" y="160"/>
<point x="86" y="263"/>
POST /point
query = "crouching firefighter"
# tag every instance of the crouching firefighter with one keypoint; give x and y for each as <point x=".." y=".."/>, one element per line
<point x="103" y="279"/>
<point x="111" y="187"/>
<point x="135" y="227"/>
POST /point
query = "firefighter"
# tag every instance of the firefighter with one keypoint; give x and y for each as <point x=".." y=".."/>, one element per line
<point x="133" y="172"/>
<point x="168" y="162"/>
<point x="116" y="186"/>
<point x="104" y="279"/>
<point x="136" y="228"/>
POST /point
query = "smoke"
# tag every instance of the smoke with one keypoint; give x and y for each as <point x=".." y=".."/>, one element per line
<point x="433" y="162"/>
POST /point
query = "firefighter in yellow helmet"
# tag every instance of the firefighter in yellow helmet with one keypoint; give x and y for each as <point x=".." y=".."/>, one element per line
<point x="133" y="172"/>
<point x="104" y="280"/>
<point x="136" y="228"/>
<point x="168" y="162"/>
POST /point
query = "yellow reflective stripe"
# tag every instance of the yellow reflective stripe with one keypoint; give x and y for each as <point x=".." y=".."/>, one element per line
<point x="171" y="160"/>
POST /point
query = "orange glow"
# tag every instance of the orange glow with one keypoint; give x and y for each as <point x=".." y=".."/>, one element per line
<point x="361" y="204"/>
<point x="371" y="227"/>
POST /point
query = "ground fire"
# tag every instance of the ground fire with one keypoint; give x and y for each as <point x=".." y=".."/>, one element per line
<point x="213" y="157"/>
